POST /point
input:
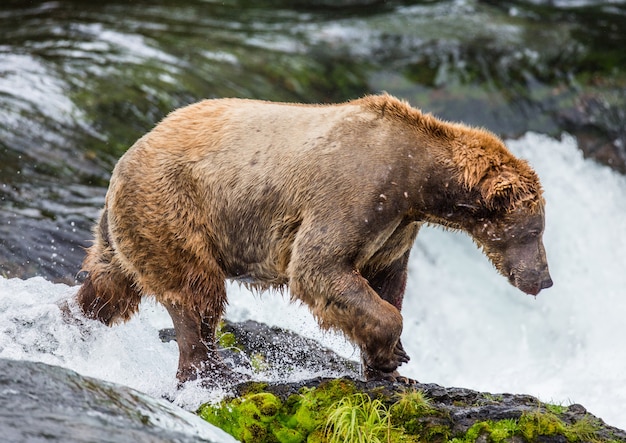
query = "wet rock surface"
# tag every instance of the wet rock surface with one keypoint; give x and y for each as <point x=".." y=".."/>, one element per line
<point x="598" y="127"/>
<point x="39" y="402"/>
<point x="275" y="350"/>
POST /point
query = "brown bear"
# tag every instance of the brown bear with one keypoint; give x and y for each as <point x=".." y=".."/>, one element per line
<point x="323" y="200"/>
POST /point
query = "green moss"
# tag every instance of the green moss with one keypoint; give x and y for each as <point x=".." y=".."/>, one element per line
<point x="531" y="426"/>
<point x="413" y="412"/>
<point x="503" y="429"/>
<point x="545" y="423"/>
<point x="474" y="432"/>
<point x="537" y="423"/>
<point x="494" y="431"/>
<point x="304" y="409"/>
<point x="262" y="417"/>
<point x="583" y="430"/>
<point x="227" y="340"/>
<point x="247" y="418"/>
<point x="412" y="402"/>
<point x="286" y="435"/>
<point x="254" y="388"/>
<point x="556" y="409"/>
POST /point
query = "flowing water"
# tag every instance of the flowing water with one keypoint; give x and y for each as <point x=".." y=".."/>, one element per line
<point x="80" y="82"/>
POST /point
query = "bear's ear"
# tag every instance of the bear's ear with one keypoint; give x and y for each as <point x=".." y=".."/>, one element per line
<point x="498" y="188"/>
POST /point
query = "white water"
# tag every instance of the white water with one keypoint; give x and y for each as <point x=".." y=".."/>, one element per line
<point x="464" y="325"/>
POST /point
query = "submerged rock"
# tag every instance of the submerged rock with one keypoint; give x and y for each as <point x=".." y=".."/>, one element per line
<point x="596" y="121"/>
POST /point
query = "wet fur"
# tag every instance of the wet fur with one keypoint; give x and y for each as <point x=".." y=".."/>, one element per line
<point x="323" y="200"/>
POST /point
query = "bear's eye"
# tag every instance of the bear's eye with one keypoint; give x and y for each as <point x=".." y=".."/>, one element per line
<point x="531" y="235"/>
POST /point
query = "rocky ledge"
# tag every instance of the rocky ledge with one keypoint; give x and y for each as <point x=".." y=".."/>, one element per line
<point x="344" y="408"/>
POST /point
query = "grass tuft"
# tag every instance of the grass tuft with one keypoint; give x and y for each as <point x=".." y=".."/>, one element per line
<point x="358" y="419"/>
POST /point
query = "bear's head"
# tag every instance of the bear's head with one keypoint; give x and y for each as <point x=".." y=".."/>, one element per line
<point x="507" y="208"/>
<point x="510" y="227"/>
<point x="513" y="243"/>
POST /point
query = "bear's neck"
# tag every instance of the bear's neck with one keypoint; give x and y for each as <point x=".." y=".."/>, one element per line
<point x="444" y="201"/>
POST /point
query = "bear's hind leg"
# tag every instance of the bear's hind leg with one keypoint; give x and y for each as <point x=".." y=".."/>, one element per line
<point x="107" y="294"/>
<point x="196" y="319"/>
<point x="109" y="297"/>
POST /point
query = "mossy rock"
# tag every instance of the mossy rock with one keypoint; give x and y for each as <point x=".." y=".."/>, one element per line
<point x="248" y="418"/>
<point x="264" y="417"/>
<point x="328" y="410"/>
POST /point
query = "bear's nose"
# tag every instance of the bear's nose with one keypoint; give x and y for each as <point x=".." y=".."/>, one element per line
<point x="547" y="283"/>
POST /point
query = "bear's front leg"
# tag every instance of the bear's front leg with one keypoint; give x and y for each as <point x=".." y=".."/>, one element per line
<point x="342" y="299"/>
<point x="390" y="281"/>
<point x="394" y="376"/>
<point x="390" y="284"/>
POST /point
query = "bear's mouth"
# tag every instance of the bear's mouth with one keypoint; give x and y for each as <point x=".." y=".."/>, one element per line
<point x="530" y="288"/>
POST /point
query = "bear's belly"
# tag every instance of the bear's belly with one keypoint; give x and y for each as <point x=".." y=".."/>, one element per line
<point x="257" y="275"/>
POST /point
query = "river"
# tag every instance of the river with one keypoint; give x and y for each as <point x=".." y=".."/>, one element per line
<point x="80" y="82"/>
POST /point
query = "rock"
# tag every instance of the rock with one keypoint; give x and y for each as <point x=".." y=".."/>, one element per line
<point x="39" y="402"/>
<point x="596" y="122"/>
<point x="335" y="3"/>
<point x="287" y="350"/>
<point x="255" y="345"/>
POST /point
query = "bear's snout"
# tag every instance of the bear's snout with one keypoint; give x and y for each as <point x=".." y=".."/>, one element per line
<point x="531" y="282"/>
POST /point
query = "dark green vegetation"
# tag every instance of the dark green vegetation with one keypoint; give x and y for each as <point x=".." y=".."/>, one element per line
<point x="341" y="410"/>
<point x="81" y="81"/>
